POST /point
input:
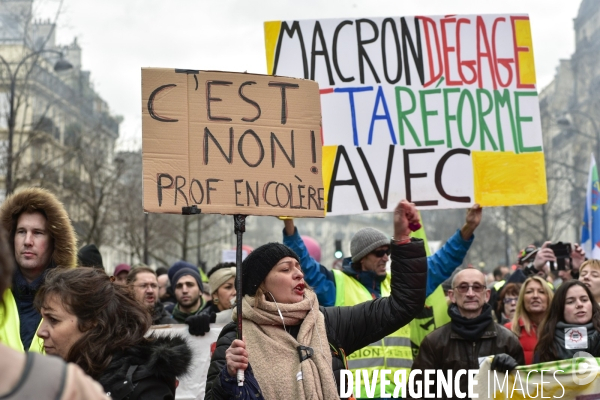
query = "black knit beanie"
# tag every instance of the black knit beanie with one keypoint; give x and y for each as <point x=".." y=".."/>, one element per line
<point x="260" y="262"/>
<point x="89" y="256"/>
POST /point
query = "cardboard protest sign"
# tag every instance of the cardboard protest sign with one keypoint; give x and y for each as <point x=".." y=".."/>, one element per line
<point x="231" y="143"/>
<point x="192" y="386"/>
<point x="440" y="110"/>
<point x="565" y="379"/>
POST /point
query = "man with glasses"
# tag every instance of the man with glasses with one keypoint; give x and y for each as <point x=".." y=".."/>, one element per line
<point x="145" y="287"/>
<point x="471" y="334"/>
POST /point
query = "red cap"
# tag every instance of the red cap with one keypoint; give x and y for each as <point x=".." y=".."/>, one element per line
<point x="122" y="268"/>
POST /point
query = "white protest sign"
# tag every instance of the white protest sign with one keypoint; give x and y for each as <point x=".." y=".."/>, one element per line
<point x="192" y="385"/>
<point x="440" y="110"/>
<point x="229" y="255"/>
<point x="564" y="379"/>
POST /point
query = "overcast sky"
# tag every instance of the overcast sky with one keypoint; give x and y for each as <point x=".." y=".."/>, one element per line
<point x="119" y="37"/>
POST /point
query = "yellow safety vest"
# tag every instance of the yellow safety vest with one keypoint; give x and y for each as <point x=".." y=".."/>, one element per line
<point x="433" y="315"/>
<point x="498" y="285"/>
<point x="10" y="332"/>
<point x="392" y="352"/>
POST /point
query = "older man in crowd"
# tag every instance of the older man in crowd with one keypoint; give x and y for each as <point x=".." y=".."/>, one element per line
<point x="145" y="286"/>
<point x="471" y="334"/>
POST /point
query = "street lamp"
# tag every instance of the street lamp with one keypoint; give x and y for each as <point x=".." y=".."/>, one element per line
<point x="60" y="65"/>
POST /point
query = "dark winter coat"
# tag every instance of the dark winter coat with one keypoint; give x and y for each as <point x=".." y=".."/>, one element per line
<point x="210" y="308"/>
<point x="445" y="349"/>
<point x="352" y="328"/>
<point x="160" y="316"/>
<point x="147" y="371"/>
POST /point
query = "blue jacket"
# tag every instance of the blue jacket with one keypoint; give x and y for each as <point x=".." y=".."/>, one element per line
<point x="440" y="266"/>
<point x="24" y="293"/>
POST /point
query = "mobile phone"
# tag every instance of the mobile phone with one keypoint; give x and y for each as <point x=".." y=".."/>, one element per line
<point x="562" y="252"/>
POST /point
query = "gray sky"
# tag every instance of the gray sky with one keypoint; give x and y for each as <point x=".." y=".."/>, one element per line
<point x="119" y="37"/>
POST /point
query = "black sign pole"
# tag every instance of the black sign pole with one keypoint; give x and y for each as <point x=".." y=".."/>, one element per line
<point x="239" y="222"/>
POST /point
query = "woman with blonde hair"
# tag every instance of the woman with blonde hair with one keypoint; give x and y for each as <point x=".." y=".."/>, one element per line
<point x="589" y="274"/>
<point x="532" y="307"/>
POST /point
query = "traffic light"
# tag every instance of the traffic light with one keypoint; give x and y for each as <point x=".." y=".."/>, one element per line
<point x="338" y="249"/>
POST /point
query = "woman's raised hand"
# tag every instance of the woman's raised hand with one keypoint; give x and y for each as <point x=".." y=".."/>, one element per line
<point x="405" y="214"/>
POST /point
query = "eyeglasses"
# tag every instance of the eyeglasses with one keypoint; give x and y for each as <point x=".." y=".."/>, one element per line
<point x="464" y="288"/>
<point x="382" y="252"/>
<point x="510" y="300"/>
<point x="146" y="285"/>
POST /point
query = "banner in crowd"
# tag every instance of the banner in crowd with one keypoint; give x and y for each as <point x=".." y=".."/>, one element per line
<point x="590" y="231"/>
<point x="192" y="385"/>
<point x="231" y="143"/>
<point x="566" y="379"/>
<point x="440" y="110"/>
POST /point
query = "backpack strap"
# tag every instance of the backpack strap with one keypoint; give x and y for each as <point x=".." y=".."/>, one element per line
<point x="125" y="388"/>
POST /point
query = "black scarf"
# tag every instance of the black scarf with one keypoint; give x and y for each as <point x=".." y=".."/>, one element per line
<point x="559" y="339"/>
<point x="470" y="328"/>
<point x="25" y="291"/>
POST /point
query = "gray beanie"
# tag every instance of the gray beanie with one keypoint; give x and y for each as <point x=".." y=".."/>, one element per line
<point x="365" y="241"/>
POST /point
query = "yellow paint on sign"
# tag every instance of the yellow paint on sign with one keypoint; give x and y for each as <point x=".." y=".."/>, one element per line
<point x="329" y="153"/>
<point x="526" y="64"/>
<point x="506" y="178"/>
<point x="272" y="29"/>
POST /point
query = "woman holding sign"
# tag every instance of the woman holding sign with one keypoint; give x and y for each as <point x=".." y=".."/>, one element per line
<point x="572" y="325"/>
<point x="293" y="348"/>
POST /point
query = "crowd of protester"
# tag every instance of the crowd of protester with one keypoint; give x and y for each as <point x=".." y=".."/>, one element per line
<point x="391" y="306"/>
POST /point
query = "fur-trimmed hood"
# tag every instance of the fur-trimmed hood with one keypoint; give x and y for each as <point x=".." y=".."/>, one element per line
<point x="164" y="358"/>
<point x="59" y="224"/>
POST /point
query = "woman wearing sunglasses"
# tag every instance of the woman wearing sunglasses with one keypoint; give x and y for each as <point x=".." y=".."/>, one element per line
<point x="572" y="324"/>
<point x="507" y="303"/>
<point x="532" y="306"/>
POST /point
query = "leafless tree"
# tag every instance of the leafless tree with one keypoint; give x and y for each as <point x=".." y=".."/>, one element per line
<point x="90" y="187"/>
<point x="170" y="237"/>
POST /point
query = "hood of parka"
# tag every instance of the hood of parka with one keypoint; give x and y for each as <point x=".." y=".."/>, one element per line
<point x="59" y="224"/>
